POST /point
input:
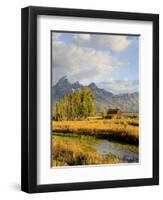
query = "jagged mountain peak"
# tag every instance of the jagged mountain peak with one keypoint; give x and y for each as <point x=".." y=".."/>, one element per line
<point x="62" y="81"/>
<point x="76" y="85"/>
<point x="92" y="85"/>
<point x="127" y="102"/>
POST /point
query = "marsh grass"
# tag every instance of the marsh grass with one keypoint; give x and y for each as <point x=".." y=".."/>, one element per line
<point x="74" y="152"/>
<point x="116" y="129"/>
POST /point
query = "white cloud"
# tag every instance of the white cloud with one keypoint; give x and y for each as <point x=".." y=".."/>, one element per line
<point x="114" y="42"/>
<point x="126" y="78"/>
<point x="55" y="36"/>
<point x="120" y="86"/>
<point x="82" y="37"/>
<point x="80" y="63"/>
<point x="111" y="79"/>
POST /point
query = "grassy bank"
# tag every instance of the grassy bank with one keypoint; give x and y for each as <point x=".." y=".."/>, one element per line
<point x="126" y="130"/>
<point x="72" y="152"/>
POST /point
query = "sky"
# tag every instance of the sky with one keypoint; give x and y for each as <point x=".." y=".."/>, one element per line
<point x="110" y="61"/>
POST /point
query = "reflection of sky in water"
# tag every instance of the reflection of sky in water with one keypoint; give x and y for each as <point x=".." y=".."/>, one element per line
<point x="126" y="152"/>
<point x="105" y="147"/>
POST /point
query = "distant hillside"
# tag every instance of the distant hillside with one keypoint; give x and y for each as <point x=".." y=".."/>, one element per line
<point x="128" y="102"/>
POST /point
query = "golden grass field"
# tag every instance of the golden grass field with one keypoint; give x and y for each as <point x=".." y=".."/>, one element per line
<point x="102" y="128"/>
<point x="71" y="152"/>
<point x="75" y="152"/>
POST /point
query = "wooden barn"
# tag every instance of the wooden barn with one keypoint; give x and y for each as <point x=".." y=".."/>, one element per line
<point x="114" y="112"/>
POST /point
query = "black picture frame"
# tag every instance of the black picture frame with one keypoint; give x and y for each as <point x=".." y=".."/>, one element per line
<point x="29" y="98"/>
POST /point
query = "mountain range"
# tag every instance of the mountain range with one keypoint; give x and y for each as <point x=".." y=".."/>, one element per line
<point x="127" y="102"/>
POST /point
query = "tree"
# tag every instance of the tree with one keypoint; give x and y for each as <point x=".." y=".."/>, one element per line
<point x="77" y="105"/>
<point x="102" y="111"/>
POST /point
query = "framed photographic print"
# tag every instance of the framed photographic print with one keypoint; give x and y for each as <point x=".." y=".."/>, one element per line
<point x="90" y="99"/>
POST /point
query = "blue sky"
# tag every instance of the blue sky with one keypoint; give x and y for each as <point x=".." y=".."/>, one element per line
<point x="99" y="58"/>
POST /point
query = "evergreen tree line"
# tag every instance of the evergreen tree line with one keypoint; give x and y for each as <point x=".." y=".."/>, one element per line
<point x="77" y="105"/>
